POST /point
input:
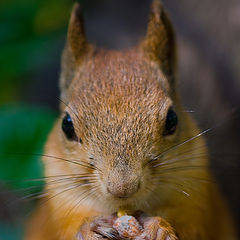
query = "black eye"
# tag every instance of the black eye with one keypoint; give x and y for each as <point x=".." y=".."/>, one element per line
<point x="68" y="129"/>
<point x="171" y="122"/>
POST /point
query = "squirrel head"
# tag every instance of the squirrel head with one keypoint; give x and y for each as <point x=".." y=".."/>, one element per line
<point x="120" y="108"/>
<point x="158" y="47"/>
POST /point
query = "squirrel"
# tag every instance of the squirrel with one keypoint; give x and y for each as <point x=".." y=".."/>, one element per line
<point x="124" y="141"/>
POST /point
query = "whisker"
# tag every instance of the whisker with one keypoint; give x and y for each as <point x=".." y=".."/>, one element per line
<point x="154" y="195"/>
<point x="183" y="186"/>
<point x="70" y="161"/>
<point x="182" y="152"/>
<point x="63" y="203"/>
<point x="84" y="177"/>
<point x="65" y="190"/>
<point x="62" y="180"/>
<point x="184" y="168"/>
<point x="85" y="194"/>
<point x="89" y="192"/>
<point x="175" y="188"/>
<point x="67" y="105"/>
<point x="184" y="142"/>
<point x="32" y="196"/>
<point x="45" y="192"/>
<point x="185" y="178"/>
<point x="186" y="193"/>
<point x="77" y="162"/>
<point x="157" y="158"/>
<point x="40" y="179"/>
<point x="179" y="160"/>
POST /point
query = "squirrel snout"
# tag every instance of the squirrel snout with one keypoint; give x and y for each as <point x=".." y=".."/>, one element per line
<point x="123" y="188"/>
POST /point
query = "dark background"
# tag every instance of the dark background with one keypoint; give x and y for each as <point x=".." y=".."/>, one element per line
<point x="32" y="34"/>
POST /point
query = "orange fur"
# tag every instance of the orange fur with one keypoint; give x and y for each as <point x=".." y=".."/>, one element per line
<point x="118" y="102"/>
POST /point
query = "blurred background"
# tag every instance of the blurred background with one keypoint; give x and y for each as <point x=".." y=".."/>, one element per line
<point x="32" y="35"/>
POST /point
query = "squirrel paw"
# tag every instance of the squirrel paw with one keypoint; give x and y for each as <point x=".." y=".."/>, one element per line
<point x="155" y="228"/>
<point x="98" y="228"/>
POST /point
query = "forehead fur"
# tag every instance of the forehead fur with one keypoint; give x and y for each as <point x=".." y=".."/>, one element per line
<point x="119" y="77"/>
<point x="121" y="96"/>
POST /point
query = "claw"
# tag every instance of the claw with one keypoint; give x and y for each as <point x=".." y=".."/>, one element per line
<point x="80" y="236"/>
<point x="109" y="233"/>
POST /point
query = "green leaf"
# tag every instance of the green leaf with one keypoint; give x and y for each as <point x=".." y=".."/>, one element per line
<point x="44" y="21"/>
<point x="23" y="134"/>
<point x="7" y="232"/>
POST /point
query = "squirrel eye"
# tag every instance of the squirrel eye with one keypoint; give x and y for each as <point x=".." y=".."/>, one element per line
<point x="171" y="122"/>
<point x="68" y="128"/>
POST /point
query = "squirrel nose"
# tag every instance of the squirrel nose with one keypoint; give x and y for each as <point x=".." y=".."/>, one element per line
<point x="123" y="188"/>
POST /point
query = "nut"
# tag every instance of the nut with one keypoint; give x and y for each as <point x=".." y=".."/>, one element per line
<point x="127" y="226"/>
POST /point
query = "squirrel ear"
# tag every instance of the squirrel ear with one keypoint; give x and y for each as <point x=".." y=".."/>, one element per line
<point x="75" y="50"/>
<point x="159" y="44"/>
<point x="76" y="33"/>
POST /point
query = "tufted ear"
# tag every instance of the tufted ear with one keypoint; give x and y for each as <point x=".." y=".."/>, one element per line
<point x="75" y="49"/>
<point x="159" y="44"/>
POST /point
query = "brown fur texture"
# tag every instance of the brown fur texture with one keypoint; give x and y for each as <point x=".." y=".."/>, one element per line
<point x="119" y="102"/>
